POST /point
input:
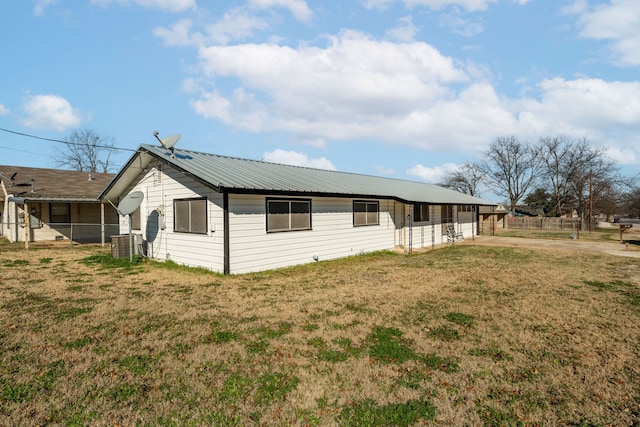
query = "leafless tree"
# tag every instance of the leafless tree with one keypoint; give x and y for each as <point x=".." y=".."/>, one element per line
<point x="575" y="171"/>
<point x="85" y="150"/>
<point x="511" y="168"/>
<point x="465" y="179"/>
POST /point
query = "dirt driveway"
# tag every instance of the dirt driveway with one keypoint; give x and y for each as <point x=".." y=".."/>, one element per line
<point x="611" y="248"/>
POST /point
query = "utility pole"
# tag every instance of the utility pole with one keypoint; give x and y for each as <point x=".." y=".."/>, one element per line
<point x="590" y="199"/>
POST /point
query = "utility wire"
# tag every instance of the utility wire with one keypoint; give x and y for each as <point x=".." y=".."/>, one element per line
<point x="65" y="142"/>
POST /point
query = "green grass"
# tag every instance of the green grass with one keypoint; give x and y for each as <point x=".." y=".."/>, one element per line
<point x="368" y="413"/>
<point x="352" y="342"/>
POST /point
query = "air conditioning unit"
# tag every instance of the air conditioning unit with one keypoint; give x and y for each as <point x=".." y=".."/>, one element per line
<point x="120" y="246"/>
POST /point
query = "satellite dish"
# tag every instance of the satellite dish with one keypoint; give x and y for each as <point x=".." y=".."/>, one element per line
<point x="130" y="203"/>
<point x="169" y="141"/>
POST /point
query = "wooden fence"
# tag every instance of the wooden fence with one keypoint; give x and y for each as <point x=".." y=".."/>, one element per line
<point x="543" y="223"/>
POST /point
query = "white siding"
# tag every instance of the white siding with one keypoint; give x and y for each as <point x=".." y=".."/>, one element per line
<point x="161" y="186"/>
<point x="332" y="235"/>
<point x="251" y="247"/>
<point x="429" y="233"/>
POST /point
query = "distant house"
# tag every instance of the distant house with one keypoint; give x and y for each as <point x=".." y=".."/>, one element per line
<point x="51" y="204"/>
<point x="234" y="215"/>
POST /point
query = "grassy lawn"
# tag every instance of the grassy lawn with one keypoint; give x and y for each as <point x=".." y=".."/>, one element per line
<point x="463" y="335"/>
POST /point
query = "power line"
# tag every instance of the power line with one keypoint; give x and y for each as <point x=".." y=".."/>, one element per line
<point x="64" y="142"/>
<point x="22" y="151"/>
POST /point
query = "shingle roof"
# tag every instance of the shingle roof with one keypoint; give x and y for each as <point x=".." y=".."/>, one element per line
<point x="53" y="184"/>
<point x="237" y="175"/>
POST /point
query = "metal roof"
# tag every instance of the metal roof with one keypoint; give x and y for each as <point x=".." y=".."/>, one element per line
<point x="236" y="175"/>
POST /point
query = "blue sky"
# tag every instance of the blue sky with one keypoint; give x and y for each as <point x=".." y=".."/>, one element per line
<point x="399" y="88"/>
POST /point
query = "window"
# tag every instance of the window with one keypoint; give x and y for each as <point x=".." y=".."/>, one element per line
<point x="190" y="216"/>
<point x="288" y="215"/>
<point x="420" y="212"/>
<point x="135" y="219"/>
<point x="366" y="213"/>
<point x="59" y="213"/>
<point x="466" y="208"/>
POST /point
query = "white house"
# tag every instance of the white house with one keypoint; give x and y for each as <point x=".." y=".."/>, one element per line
<point x="236" y="215"/>
<point x="38" y="204"/>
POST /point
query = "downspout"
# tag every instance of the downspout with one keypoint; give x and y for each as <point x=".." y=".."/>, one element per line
<point x="225" y="213"/>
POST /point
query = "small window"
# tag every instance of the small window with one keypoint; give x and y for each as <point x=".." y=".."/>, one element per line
<point x="466" y="208"/>
<point x="288" y="215"/>
<point x="420" y="212"/>
<point x="190" y="216"/>
<point x="60" y="213"/>
<point x="135" y="219"/>
<point x="366" y="213"/>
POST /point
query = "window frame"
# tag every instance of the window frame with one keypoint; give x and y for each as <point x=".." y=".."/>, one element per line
<point x="418" y="213"/>
<point x="367" y="204"/>
<point x="190" y="227"/>
<point x="67" y="219"/>
<point x="136" y="216"/>
<point x="290" y="220"/>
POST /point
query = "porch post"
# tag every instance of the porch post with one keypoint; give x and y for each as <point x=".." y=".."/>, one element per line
<point x="102" y="223"/>
<point x="27" y="214"/>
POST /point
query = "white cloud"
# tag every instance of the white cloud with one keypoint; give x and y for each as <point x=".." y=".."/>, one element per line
<point x="470" y="5"/>
<point x="298" y="8"/>
<point x="50" y="112"/>
<point x="167" y="5"/>
<point x="354" y="88"/>
<point x="178" y="34"/>
<point x="3" y="110"/>
<point x="357" y="88"/>
<point x="377" y="4"/>
<point x="405" y="31"/>
<point x="579" y="106"/>
<point x="41" y="5"/>
<point x="461" y="26"/>
<point x="297" y="159"/>
<point x="616" y="22"/>
<point x="235" y="25"/>
<point x="432" y="175"/>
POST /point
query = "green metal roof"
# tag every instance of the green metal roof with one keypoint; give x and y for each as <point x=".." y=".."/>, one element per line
<point x="236" y="175"/>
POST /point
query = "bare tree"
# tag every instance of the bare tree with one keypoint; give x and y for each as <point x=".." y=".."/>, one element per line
<point x="465" y="179"/>
<point x="574" y="171"/>
<point x="510" y="168"/>
<point x="85" y="150"/>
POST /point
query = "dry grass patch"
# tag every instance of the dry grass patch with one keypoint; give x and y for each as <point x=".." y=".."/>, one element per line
<point x="464" y="335"/>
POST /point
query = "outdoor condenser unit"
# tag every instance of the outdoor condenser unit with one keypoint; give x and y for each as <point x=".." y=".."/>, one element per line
<point x="120" y="246"/>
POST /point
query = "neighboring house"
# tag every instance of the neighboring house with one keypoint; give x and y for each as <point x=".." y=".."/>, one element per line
<point x="235" y="215"/>
<point x="51" y="204"/>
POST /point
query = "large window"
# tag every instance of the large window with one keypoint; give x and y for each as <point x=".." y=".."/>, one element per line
<point x="59" y="213"/>
<point x="366" y="213"/>
<point x="288" y="215"/>
<point x="190" y="216"/>
<point x="420" y="212"/>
